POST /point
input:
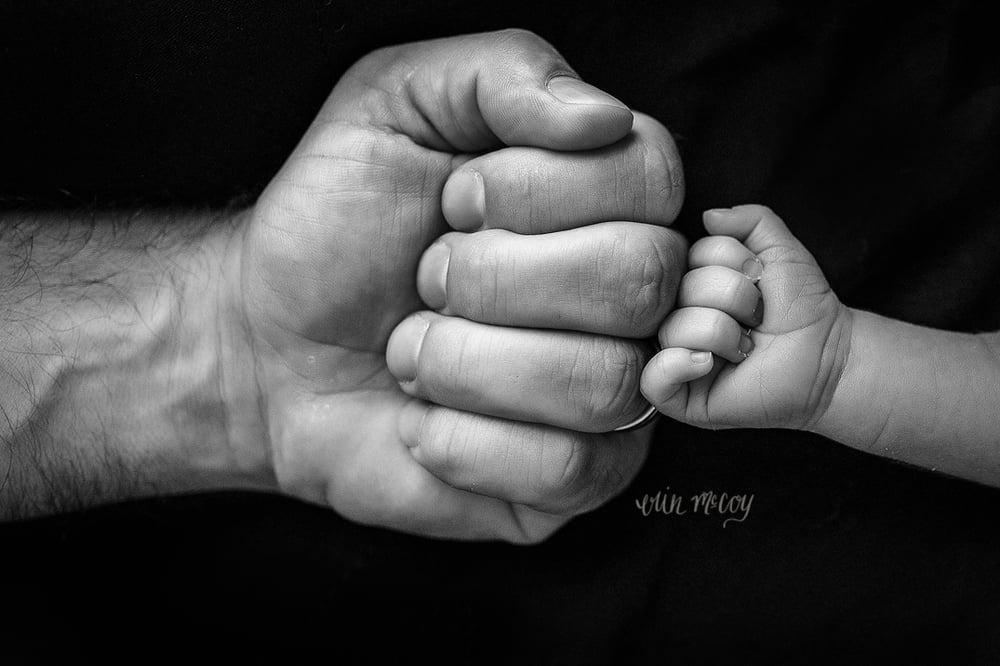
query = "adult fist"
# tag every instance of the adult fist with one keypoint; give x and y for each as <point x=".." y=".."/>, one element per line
<point x="546" y="262"/>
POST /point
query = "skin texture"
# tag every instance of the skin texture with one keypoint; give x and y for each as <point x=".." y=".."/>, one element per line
<point x="310" y="345"/>
<point x="797" y="352"/>
<point x="923" y="396"/>
<point x="461" y="423"/>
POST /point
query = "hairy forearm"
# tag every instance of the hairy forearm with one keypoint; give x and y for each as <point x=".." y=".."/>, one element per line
<point x="115" y="332"/>
<point x="923" y="396"/>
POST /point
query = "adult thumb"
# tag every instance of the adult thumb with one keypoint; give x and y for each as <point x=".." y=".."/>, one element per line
<point x="476" y="92"/>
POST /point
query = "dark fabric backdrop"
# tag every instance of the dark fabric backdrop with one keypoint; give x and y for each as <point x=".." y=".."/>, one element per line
<point x="874" y="130"/>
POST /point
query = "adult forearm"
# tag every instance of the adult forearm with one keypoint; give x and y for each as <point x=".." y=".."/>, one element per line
<point x="114" y="335"/>
<point x="920" y="395"/>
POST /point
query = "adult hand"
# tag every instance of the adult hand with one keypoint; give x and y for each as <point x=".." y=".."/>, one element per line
<point x="479" y="412"/>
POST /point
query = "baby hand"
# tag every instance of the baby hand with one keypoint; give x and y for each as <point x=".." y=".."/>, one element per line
<point x="759" y="340"/>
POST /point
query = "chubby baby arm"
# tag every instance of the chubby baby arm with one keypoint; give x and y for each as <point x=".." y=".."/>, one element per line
<point x="787" y="353"/>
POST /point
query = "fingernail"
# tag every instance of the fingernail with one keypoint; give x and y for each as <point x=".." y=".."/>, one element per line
<point x="753" y="268"/>
<point x="403" y="351"/>
<point x="757" y="316"/>
<point x="701" y="357"/>
<point x="574" y="91"/>
<point x="463" y="200"/>
<point x="411" y="420"/>
<point x="746" y="345"/>
<point x="432" y="275"/>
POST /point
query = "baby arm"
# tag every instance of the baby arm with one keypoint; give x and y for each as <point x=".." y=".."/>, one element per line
<point x="785" y="352"/>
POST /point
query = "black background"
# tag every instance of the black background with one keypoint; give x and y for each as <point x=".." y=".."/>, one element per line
<point x="874" y="130"/>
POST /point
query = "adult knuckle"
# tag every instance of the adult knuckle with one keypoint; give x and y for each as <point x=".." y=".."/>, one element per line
<point x="615" y="381"/>
<point x="662" y="180"/>
<point x="652" y="280"/>
<point x="580" y="478"/>
<point x="610" y="481"/>
<point x="566" y="468"/>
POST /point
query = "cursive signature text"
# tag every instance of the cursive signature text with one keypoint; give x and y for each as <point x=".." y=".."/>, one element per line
<point x="731" y="507"/>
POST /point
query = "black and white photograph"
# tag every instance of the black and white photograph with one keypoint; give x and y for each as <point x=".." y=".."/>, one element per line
<point x="505" y="332"/>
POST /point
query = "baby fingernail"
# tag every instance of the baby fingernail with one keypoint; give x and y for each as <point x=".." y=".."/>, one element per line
<point x="463" y="200"/>
<point x="432" y="276"/>
<point x="746" y="345"/>
<point x="574" y="91"/>
<point x="753" y="268"/>
<point x="403" y="351"/>
<point x="701" y="357"/>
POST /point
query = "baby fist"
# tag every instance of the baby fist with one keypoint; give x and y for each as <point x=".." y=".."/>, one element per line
<point x="759" y="339"/>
